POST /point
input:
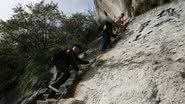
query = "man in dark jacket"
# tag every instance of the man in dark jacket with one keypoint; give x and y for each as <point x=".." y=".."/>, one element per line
<point x="106" y="34"/>
<point x="106" y="29"/>
<point x="65" y="61"/>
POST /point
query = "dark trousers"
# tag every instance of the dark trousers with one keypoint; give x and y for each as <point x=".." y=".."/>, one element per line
<point x="106" y="40"/>
<point x="62" y="77"/>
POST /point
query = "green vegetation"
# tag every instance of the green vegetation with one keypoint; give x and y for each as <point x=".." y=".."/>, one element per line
<point x="29" y="38"/>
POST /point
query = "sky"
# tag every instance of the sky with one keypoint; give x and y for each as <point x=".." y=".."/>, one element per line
<point x="67" y="6"/>
<point x="72" y="6"/>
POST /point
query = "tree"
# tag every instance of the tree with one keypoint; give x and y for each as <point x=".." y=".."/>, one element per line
<point x="25" y="40"/>
<point x="29" y="35"/>
<point x="33" y="29"/>
<point x="81" y="28"/>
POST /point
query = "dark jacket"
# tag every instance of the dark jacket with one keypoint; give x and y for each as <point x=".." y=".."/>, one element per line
<point x="65" y="58"/>
<point x="106" y="29"/>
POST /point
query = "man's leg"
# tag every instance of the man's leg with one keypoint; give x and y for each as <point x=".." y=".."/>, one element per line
<point x="106" y="42"/>
<point x="61" y="80"/>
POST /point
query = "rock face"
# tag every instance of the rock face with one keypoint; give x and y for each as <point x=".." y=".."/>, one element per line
<point x="130" y="7"/>
<point x="146" y="67"/>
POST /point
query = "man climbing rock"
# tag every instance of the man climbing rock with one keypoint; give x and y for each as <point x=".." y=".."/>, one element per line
<point x="105" y="29"/>
<point x="65" y="61"/>
<point x="120" y="21"/>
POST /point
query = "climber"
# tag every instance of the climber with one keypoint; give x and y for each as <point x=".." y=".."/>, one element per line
<point x="120" y="23"/>
<point x="65" y="61"/>
<point x="122" y="20"/>
<point x="105" y="29"/>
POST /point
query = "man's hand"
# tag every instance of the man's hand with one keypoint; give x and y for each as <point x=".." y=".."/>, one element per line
<point x="92" y="61"/>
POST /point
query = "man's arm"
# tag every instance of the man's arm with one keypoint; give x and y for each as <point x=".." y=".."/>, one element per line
<point x="74" y="65"/>
<point x="100" y="28"/>
<point x="77" y="61"/>
<point x="80" y="61"/>
<point x="71" y="59"/>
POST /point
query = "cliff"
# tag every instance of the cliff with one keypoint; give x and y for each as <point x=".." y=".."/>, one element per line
<point x="147" y="66"/>
<point x="129" y="7"/>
